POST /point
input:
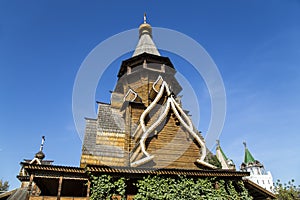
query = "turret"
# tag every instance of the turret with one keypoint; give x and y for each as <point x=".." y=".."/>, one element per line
<point x="257" y="171"/>
<point x="250" y="164"/>
<point x="138" y="73"/>
<point x="37" y="160"/>
<point x="225" y="162"/>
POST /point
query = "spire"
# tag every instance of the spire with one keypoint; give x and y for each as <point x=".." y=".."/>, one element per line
<point x="40" y="155"/>
<point x="248" y="157"/>
<point x="225" y="162"/>
<point x="219" y="147"/>
<point x="145" y="44"/>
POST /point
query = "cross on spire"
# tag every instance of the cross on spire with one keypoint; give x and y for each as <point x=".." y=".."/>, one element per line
<point x="42" y="144"/>
<point x="145" y="18"/>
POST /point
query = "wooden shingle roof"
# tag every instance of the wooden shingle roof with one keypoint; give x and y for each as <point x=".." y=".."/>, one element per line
<point x="110" y="119"/>
<point x="53" y="168"/>
<point x="175" y="172"/>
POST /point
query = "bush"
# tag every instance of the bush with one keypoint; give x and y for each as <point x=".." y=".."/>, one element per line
<point x="287" y="191"/>
<point x="175" y="188"/>
<point x="3" y="186"/>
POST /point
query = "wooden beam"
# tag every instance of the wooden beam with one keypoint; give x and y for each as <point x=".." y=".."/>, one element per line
<point x="59" y="187"/>
<point x="88" y="189"/>
<point x="30" y="183"/>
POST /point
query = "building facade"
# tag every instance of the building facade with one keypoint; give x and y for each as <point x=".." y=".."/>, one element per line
<point x="258" y="174"/>
<point x="144" y="125"/>
<point x="143" y="131"/>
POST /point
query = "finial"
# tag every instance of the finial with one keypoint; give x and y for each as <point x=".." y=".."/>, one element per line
<point x="244" y="143"/>
<point x="40" y="155"/>
<point x="218" y="143"/>
<point x="42" y="144"/>
<point x="145" y="18"/>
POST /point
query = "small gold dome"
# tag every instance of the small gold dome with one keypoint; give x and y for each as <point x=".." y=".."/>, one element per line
<point x="145" y="28"/>
<point x="40" y="155"/>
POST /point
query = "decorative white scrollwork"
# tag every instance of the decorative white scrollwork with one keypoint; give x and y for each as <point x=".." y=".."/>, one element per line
<point x="170" y="104"/>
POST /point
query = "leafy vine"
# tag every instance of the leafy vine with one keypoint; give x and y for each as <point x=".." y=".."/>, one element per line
<point x="175" y="188"/>
<point x="105" y="187"/>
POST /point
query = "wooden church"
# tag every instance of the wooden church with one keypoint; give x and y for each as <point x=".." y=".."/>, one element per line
<point x="143" y="131"/>
<point x="144" y="125"/>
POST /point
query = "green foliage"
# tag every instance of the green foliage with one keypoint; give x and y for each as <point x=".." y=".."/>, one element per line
<point x="177" y="188"/>
<point x="105" y="187"/>
<point x="287" y="191"/>
<point x="156" y="187"/>
<point x="212" y="159"/>
<point x="232" y="191"/>
<point x="3" y="186"/>
<point x="244" y="192"/>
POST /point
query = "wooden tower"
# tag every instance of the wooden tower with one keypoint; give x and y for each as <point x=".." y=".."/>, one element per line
<point x="144" y="125"/>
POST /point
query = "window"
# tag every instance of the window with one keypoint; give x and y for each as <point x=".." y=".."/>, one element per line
<point x="155" y="66"/>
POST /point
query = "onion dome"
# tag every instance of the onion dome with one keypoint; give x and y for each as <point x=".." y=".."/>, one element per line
<point x="40" y="155"/>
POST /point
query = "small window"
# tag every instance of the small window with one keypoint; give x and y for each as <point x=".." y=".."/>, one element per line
<point x="155" y="66"/>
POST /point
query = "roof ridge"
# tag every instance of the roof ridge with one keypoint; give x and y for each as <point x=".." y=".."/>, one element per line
<point x="103" y="103"/>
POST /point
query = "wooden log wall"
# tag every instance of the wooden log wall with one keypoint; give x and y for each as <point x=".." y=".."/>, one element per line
<point x="173" y="147"/>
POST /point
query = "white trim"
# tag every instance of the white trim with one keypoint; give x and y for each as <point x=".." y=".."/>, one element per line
<point x="141" y="161"/>
<point x="153" y="86"/>
<point x="130" y="91"/>
<point x="135" y="154"/>
<point x="206" y="164"/>
<point x="37" y="160"/>
<point x="186" y="122"/>
<point x="191" y="131"/>
<point x="154" y="102"/>
<point x="152" y="127"/>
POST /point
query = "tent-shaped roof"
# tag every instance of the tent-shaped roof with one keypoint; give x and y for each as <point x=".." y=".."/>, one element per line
<point x="145" y="44"/>
<point x="248" y="156"/>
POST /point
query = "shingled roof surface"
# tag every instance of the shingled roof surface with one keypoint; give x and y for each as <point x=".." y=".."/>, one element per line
<point x="165" y="171"/>
<point x="110" y="119"/>
<point x="16" y="194"/>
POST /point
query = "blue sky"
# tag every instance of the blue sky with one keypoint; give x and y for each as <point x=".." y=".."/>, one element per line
<point x="254" y="43"/>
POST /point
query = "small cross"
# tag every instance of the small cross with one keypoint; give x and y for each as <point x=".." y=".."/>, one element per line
<point x="42" y="144"/>
<point x="145" y="18"/>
